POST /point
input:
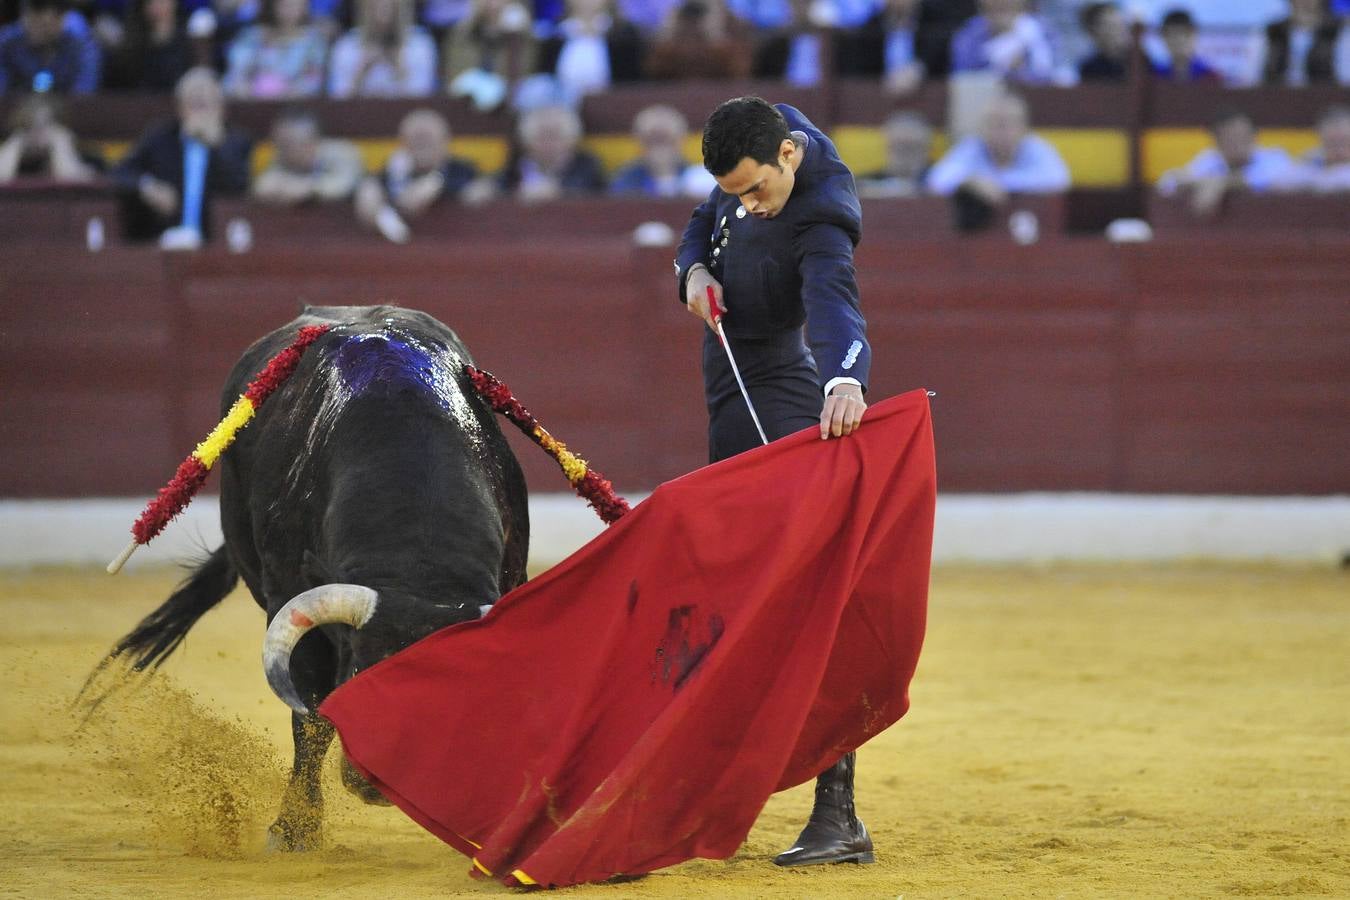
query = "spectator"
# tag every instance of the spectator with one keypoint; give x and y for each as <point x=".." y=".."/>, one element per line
<point x="887" y="46"/>
<point x="1110" y="33"/>
<point x="909" y="150"/>
<point x="488" y="52"/>
<point x="440" y="17"/>
<point x="40" y="146"/>
<point x="281" y="57"/>
<point x="1005" y="39"/>
<point x="695" y="43"/>
<point x="155" y="50"/>
<point x="903" y="42"/>
<point x="591" y="50"/>
<point x="548" y="162"/>
<point x="662" y="170"/>
<point x="1178" y="35"/>
<point x="385" y="55"/>
<point x="1301" y="49"/>
<point x="1326" y="168"/>
<point x="419" y="173"/>
<point x="305" y="166"/>
<point x="39" y="53"/>
<point x="797" y="34"/>
<point x="650" y="16"/>
<point x="1005" y="158"/>
<point x="1234" y="163"/>
<point x="166" y="183"/>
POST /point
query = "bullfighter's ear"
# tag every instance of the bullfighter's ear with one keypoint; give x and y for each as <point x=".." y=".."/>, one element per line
<point x="316" y="571"/>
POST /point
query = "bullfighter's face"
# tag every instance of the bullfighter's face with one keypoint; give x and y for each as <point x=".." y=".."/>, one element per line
<point x="764" y="188"/>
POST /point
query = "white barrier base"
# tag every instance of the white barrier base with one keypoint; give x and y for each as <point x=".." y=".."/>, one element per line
<point x="970" y="528"/>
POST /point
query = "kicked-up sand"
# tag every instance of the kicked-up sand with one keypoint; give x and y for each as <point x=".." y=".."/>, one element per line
<point x="1075" y="732"/>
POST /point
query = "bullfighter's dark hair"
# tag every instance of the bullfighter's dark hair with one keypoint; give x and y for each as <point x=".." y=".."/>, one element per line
<point x="741" y="128"/>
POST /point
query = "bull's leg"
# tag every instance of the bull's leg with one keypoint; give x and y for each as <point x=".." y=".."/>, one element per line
<point x="364" y="790"/>
<point x="299" y="825"/>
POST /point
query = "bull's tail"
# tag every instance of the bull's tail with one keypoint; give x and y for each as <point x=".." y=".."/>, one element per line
<point x="160" y="633"/>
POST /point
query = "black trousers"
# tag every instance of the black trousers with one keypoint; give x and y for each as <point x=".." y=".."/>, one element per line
<point x="780" y="375"/>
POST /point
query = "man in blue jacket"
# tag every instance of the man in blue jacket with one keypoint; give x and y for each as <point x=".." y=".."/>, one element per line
<point x="774" y="241"/>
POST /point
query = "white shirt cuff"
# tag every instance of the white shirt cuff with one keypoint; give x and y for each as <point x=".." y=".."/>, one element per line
<point x="830" y="385"/>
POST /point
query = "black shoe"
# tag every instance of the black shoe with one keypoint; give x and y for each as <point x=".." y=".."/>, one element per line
<point x="833" y="833"/>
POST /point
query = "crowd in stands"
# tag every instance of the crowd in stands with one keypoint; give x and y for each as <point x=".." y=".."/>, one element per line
<point x="492" y="50"/>
<point x="540" y="59"/>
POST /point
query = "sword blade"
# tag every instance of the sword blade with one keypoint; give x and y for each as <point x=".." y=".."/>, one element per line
<point x="735" y="370"/>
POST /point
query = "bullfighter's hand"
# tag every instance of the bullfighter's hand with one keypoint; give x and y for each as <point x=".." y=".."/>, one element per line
<point x="696" y="294"/>
<point x="843" y="412"/>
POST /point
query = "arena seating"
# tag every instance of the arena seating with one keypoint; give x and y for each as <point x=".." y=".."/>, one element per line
<point x="1221" y="340"/>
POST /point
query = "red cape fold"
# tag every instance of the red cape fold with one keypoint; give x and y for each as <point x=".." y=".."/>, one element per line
<point x="636" y="705"/>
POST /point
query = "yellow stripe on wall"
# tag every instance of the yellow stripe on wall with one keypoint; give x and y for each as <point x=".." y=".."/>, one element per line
<point x="488" y="152"/>
<point x="1096" y="157"/>
<point x="1171" y="148"/>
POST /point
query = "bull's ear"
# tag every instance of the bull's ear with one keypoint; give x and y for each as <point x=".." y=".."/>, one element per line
<point x="316" y="571"/>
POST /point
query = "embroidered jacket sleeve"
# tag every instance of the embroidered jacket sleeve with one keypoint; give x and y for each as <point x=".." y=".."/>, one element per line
<point x="694" y="244"/>
<point x="834" y="321"/>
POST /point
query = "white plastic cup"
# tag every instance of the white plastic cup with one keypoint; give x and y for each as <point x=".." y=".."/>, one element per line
<point x="239" y="235"/>
<point x="1024" y="227"/>
<point x="95" y="238"/>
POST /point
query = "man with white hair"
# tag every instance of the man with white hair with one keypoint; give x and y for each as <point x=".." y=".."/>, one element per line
<point x="167" y="181"/>
<point x="1003" y="158"/>
<point x="662" y="170"/>
<point x="1326" y="168"/>
<point x="419" y="173"/>
<point x="549" y="162"/>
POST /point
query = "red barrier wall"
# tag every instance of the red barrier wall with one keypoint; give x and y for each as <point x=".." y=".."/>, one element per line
<point x="1193" y="365"/>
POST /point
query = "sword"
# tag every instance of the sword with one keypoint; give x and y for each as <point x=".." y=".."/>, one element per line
<point x="726" y="345"/>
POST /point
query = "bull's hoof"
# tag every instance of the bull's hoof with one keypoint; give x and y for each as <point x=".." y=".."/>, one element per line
<point x="360" y="788"/>
<point x="287" y="837"/>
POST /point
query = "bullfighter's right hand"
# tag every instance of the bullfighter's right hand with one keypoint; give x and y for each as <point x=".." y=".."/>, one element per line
<point x="696" y="294"/>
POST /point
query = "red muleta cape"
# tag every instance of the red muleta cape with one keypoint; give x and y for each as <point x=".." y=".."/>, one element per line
<point x="636" y="705"/>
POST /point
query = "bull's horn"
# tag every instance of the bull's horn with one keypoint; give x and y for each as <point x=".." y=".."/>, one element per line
<point x="328" y="604"/>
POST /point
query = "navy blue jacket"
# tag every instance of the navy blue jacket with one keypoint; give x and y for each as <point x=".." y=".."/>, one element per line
<point x="796" y="268"/>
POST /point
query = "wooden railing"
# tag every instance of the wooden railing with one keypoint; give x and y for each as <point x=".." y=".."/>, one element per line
<point x="1195" y="363"/>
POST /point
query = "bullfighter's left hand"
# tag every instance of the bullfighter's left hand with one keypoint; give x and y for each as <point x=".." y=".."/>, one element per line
<point x="843" y="412"/>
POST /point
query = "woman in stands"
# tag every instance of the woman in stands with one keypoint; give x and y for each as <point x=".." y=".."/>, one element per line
<point x="385" y="55"/>
<point x="282" y="57"/>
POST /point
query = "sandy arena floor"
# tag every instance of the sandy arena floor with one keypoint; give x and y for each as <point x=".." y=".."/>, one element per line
<point x="1076" y="732"/>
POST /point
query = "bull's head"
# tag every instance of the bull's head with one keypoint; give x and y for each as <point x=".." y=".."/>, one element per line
<point x="381" y="626"/>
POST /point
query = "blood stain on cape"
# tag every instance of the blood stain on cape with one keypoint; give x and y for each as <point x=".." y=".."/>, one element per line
<point x="683" y="648"/>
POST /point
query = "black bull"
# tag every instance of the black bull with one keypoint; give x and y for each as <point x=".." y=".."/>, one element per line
<point x="377" y="470"/>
